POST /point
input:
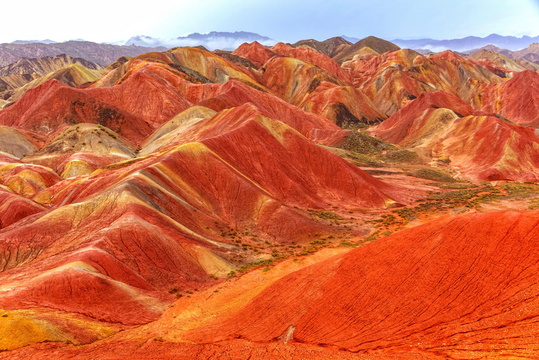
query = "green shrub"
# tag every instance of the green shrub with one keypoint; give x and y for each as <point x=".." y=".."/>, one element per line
<point x="364" y="144"/>
<point x="431" y="174"/>
<point x="362" y="158"/>
<point x="458" y="195"/>
<point x="455" y="186"/>
<point x="401" y="156"/>
<point x="322" y="214"/>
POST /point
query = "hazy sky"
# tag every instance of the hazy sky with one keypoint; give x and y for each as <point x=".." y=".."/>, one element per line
<point x="282" y="20"/>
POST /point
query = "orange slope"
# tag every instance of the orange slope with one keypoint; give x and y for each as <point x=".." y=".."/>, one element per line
<point x="392" y="78"/>
<point x="516" y="99"/>
<point x="343" y="105"/>
<point x="292" y="79"/>
<point x="313" y="57"/>
<point x="254" y="52"/>
<point x="234" y="93"/>
<point x="410" y="123"/>
<point x="134" y="230"/>
<point x="441" y="126"/>
<point x="54" y="106"/>
<point x="444" y="288"/>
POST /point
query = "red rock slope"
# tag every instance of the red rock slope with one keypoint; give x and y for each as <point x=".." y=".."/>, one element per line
<point x="441" y="127"/>
<point x="461" y="287"/>
<point x="418" y="119"/>
<point x="115" y="242"/>
<point x="255" y="52"/>
<point x="54" y="106"/>
<point x="457" y="287"/>
<point x="235" y="93"/>
<point x="313" y="57"/>
<point x="516" y="99"/>
<point x="392" y="78"/>
<point x="343" y="105"/>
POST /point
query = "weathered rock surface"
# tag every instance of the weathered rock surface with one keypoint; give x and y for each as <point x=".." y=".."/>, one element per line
<point x="516" y="99"/>
<point x="174" y="172"/>
<point x="444" y="288"/>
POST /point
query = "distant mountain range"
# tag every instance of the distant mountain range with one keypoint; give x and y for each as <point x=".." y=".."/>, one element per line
<point x="102" y="54"/>
<point x="24" y="42"/>
<point x="341" y="48"/>
<point x="231" y="40"/>
<point x="529" y="54"/>
<point x="471" y="42"/>
<point x="467" y="44"/>
<point x="211" y="41"/>
<point x="350" y="39"/>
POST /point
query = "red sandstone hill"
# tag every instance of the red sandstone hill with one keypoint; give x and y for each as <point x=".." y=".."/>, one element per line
<point x="392" y="78"/>
<point x="80" y="149"/>
<point x="516" y="99"/>
<point x="255" y="52"/>
<point x="410" y="125"/>
<point x="343" y="105"/>
<point x="313" y="57"/>
<point x="383" y="79"/>
<point x="292" y="79"/>
<point x="301" y="83"/>
<point x="235" y="93"/>
<point x="489" y="148"/>
<point x="442" y="127"/>
<point x="176" y="170"/>
<point x="330" y="47"/>
<point x="238" y="137"/>
<point x="218" y="179"/>
<point x="25" y="73"/>
<point x="459" y="286"/>
<point x="15" y="207"/>
<point x="54" y="106"/>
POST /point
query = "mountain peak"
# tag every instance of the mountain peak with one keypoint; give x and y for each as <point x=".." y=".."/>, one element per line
<point x="24" y="42"/>
<point x="470" y="42"/>
<point x="212" y="40"/>
<point x="225" y="34"/>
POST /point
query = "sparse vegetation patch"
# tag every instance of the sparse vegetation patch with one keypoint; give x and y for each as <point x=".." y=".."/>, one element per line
<point x="431" y="174"/>
<point x="364" y="144"/>
<point x="323" y="214"/>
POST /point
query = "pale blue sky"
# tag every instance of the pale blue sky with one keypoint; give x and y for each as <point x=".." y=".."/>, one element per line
<point x="282" y="20"/>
